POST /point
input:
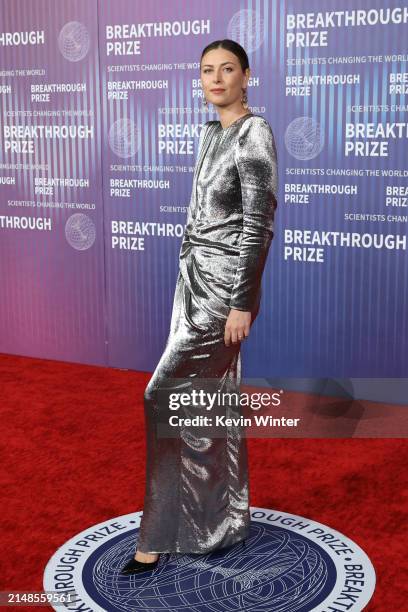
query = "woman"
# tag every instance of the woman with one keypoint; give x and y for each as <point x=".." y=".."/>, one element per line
<point x="196" y="497"/>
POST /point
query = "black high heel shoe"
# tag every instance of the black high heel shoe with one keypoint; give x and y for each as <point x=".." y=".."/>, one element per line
<point x="135" y="567"/>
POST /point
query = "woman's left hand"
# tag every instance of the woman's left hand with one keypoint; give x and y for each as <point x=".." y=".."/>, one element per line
<point x="237" y="326"/>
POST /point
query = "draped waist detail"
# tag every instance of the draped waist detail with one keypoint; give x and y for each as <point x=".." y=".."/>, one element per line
<point x="200" y="240"/>
<point x="201" y="265"/>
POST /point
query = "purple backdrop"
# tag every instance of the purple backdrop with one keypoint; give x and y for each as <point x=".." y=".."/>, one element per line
<point x="97" y="287"/>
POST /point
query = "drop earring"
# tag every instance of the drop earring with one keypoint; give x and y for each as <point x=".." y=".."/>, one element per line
<point x="244" y="99"/>
<point x="204" y="102"/>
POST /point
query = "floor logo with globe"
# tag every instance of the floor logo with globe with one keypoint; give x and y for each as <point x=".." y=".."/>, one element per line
<point x="289" y="564"/>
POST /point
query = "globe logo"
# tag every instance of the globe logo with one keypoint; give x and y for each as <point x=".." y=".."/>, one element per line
<point x="80" y="231"/>
<point x="247" y="27"/>
<point x="289" y="563"/>
<point x="303" y="138"/>
<point x="261" y="576"/>
<point x="73" y="41"/>
<point x="123" y="139"/>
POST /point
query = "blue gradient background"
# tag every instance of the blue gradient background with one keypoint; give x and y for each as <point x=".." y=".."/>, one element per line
<point x="344" y="318"/>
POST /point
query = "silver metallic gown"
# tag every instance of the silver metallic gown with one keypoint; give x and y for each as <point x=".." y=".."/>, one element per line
<point x="197" y="494"/>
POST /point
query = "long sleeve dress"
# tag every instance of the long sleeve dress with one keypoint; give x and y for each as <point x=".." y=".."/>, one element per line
<point x="197" y="490"/>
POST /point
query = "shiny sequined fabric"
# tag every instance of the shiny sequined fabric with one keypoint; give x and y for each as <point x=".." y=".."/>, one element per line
<point x="197" y="494"/>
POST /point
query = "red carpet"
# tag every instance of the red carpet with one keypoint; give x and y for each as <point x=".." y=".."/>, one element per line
<point x="73" y="455"/>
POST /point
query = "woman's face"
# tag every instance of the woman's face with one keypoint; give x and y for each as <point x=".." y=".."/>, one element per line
<point x="222" y="78"/>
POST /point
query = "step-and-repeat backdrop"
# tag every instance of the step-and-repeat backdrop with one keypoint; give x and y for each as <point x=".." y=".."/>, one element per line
<point x="100" y="115"/>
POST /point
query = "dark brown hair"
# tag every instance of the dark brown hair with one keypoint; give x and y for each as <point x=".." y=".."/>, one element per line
<point x="229" y="45"/>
